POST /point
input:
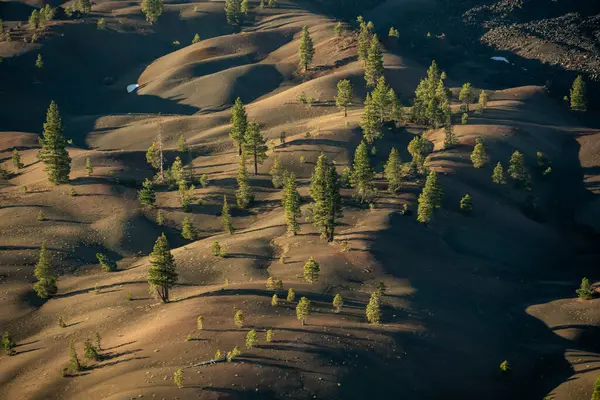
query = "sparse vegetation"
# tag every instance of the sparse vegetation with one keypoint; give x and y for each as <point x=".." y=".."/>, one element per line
<point x="147" y="195"/>
<point x="505" y="367"/>
<point x="430" y="198"/>
<point x="466" y="204"/>
<point x="363" y="175"/>
<point x="343" y="98"/>
<point x="233" y="12"/>
<point x="578" y="95"/>
<point x="196" y="39"/>
<point x="41" y="217"/>
<point x="239" y="123"/>
<point x="393" y="171"/>
<point x="200" y="322"/>
<point x="479" y="156"/>
<point x="226" y="218"/>
<point x="393" y="33"/>
<point x="239" y="319"/>
<point x="255" y="145"/>
<point x="325" y="192"/>
<point x="517" y="169"/>
<point x="374" y="62"/>
<point x="61" y="322"/>
<point x="466" y="96"/>
<point x="274" y="300"/>
<point x="89" y="351"/>
<point x="498" y="175"/>
<point x="277" y="173"/>
<point x="483" y="100"/>
<point x="101" y="24"/>
<point x="291" y="203"/>
<point x="450" y="140"/>
<point x="243" y="194"/>
<point x="291" y="296"/>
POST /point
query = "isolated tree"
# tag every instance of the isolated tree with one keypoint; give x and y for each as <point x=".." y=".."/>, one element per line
<point x="226" y="218"/>
<point x="466" y="95"/>
<point x="239" y="123"/>
<point x="303" y="310"/>
<point x="292" y="206"/>
<point x="373" y="311"/>
<point x="364" y="40"/>
<point x="269" y="336"/>
<point x="578" y="95"/>
<point x="74" y="363"/>
<point x="45" y="286"/>
<point x="16" y="159"/>
<point x="498" y="175"/>
<point x="505" y="367"/>
<point x="291" y="296"/>
<point x="239" y="319"/>
<point x="147" y="195"/>
<point x="363" y="175"/>
<point x="343" y="99"/>
<point x="337" y="29"/>
<point x="483" y="100"/>
<point x="306" y="51"/>
<point x="153" y="156"/>
<point x="277" y="173"/>
<point x="311" y="271"/>
<point x="251" y="339"/>
<point x="325" y="192"/>
<point x="374" y="64"/>
<point x="152" y="9"/>
<point x="162" y="275"/>
<point x="245" y="7"/>
<point x="370" y="123"/>
<point x="54" y="148"/>
<point x="450" y="139"/>
<point x="188" y="231"/>
<point x="178" y="378"/>
<point x="585" y="291"/>
<point x="89" y="169"/>
<point x="244" y="193"/>
<point x="479" y="156"/>
<point x="393" y="171"/>
<point x="466" y="204"/>
<point x="393" y="33"/>
<point x="517" y="169"/>
<point x="89" y="351"/>
<point x="274" y="300"/>
<point x="381" y="288"/>
<point x="34" y="20"/>
<point x="39" y="62"/>
<point x="255" y="145"/>
<point x="8" y="344"/>
<point x="338" y="303"/>
<point x="41" y="216"/>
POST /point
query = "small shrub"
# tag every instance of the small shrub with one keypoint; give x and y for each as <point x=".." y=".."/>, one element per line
<point x="101" y="24"/>
<point x="218" y="355"/>
<point x="338" y="303"/>
<point x="274" y="300"/>
<point x="98" y="341"/>
<point x="585" y="291"/>
<point x="178" y="378"/>
<point x="239" y="319"/>
<point x="307" y="135"/>
<point x="72" y="192"/>
<point x="200" y="322"/>
<point x="302" y="160"/>
<point x="129" y="297"/>
<point x="74" y="363"/>
<point x="464" y="119"/>
<point x="279" y="285"/>
<point x="61" y="322"/>
<point x="505" y="367"/>
<point x="176" y="43"/>
<point x="269" y="336"/>
<point x="270" y="285"/>
<point x="233" y="354"/>
<point x="381" y="288"/>
<point x="41" y="216"/>
<point x="188" y="337"/>
<point x="466" y="204"/>
<point x="251" y="339"/>
<point x="282" y="260"/>
<point x="196" y="39"/>
<point x="291" y="296"/>
<point x="8" y="344"/>
<point x="96" y="289"/>
<point x="302" y="97"/>
<point x="105" y="264"/>
<point x="204" y="180"/>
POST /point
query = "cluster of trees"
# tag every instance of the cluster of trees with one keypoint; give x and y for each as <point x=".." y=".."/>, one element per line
<point x="381" y="105"/>
<point x="78" y="8"/>
<point x="369" y="51"/>
<point x="39" y="18"/>
<point x="152" y="9"/>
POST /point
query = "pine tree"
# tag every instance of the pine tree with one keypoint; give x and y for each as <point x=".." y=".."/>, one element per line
<point x="34" y="20"/>
<point x="147" y="195"/>
<point x="430" y="98"/>
<point x="226" y="218"/>
<point x="578" y="95"/>
<point x="374" y="64"/>
<point x="517" y="169"/>
<point x="311" y="271"/>
<point x="245" y="7"/>
<point x="269" y="336"/>
<point x="255" y="145"/>
<point x="74" y="363"/>
<point x="291" y="296"/>
<point x="182" y="145"/>
<point x="369" y="123"/>
<point x="434" y="189"/>
<point x="393" y="33"/>
<point x="239" y="319"/>
<point x="373" y="311"/>
<point x="337" y="29"/>
<point x="239" y="122"/>
<point x="89" y="169"/>
<point x="381" y="99"/>
<point x="325" y="192"/>
<point x="153" y="156"/>
<point x="251" y="339"/>
<point x="8" y="344"/>
<point x="54" y="148"/>
<point x="596" y="392"/>
<point x="364" y="39"/>
<point x="233" y="11"/>
<point x="152" y="9"/>
<point x="343" y="99"/>
<point x="479" y="156"/>
<point x="338" y="303"/>
<point x="425" y="209"/>
<point x="16" y="159"/>
<point x="195" y="40"/>
<point x="396" y="110"/>
<point x="274" y="300"/>
<point x="244" y="193"/>
<point x="188" y="231"/>
<point x="177" y="172"/>
<point x="450" y="139"/>
<point x="466" y="95"/>
<point x="498" y="175"/>
<point x="306" y="51"/>
<point x="585" y="291"/>
<point x="303" y="310"/>
<point x="292" y="206"/>
<point x="45" y="286"/>
<point x="89" y="351"/>
<point x="393" y="171"/>
<point x="483" y="100"/>
<point x="162" y="275"/>
<point x="363" y="174"/>
<point x="178" y="378"/>
<point x="419" y="148"/>
<point x="41" y="216"/>
<point x="160" y="218"/>
<point x="277" y="172"/>
<point x="466" y="204"/>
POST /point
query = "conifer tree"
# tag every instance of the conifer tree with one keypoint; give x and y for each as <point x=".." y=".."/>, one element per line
<point x="374" y="64"/>
<point x="311" y="271"/>
<point x="34" y="20"/>
<point x="188" y="231"/>
<point x="450" y="139"/>
<point x="303" y="310"/>
<point x="177" y="171"/>
<point x="466" y="95"/>
<point x="74" y="363"/>
<point x="381" y="99"/>
<point x="430" y="98"/>
<point x="239" y="123"/>
<point x="393" y="171"/>
<point x="245" y="7"/>
<point x="585" y="291"/>
<point x="226" y="218"/>
<point x="466" y="204"/>
<point x="89" y="169"/>
<point x="483" y="100"/>
<point x="196" y="39"/>
<point x="498" y="175"/>
<point x="517" y="169"/>
<point x="269" y="336"/>
<point x="277" y="172"/>
<point x="244" y="193"/>
<point x="89" y="351"/>
<point x="291" y="296"/>
<point x="251" y="339"/>
<point x="337" y="29"/>
<point x="479" y="156"/>
<point x="434" y="189"/>
<point x="578" y="95"/>
<point x="292" y="205"/>
<point x="152" y="9"/>
<point x="45" y="286"/>
<point x="393" y="33"/>
<point x="239" y="319"/>
<point x="160" y="218"/>
<point x="343" y="99"/>
<point x="373" y="311"/>
<point x="178" y="378"/>
<point x="364" y="40"/>
<point x="396" y="110"/>
<point x="338" y="303"/>
<point x="306" y="51"/>
<point x="54" y="148"/>
<point x="16" y="159"/>
<point x="425" y="209"/>
<point x="363" y="174"/>
<point x="216" y="249"/>
<point x="153" y="156"/>
<point x="274" y="300"/>
<point x="369" y="123"/>
<point x="147" y="195"/>
<point x="255" y="145"/>
<point x="419" y="148"/>
<point x="182" y="145"/>
<point x="162" y="275"/>
<point x="41" y="216"/>
<point x="325" y="192"/>
<point x="8" y="344"/>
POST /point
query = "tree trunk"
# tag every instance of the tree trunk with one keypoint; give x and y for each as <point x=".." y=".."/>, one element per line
<point x="345" y="111"/>
<point x="239" y="149"/>
<point x="255" y="164"/>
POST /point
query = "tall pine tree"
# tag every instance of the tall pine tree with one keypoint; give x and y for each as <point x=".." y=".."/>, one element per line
<point x="255" y="145"/>
<point x="233" y="12"/>
<point x="381" y="99"/>
<point x="239" y="123"/>
<point x="45" y="286"/>
<point x="374" y="64"/>
<point x="162" y="275"/>
<point x="363" y="174"/>
<point x="369" y="123"/>
<point x="292" y="205"/>
<point x="498" y="175"/>
<point x="54" y="148"/>
<point x="466" y="96"/>
<point x="277" y="173"/>
<point x="307" y="50"/>
<point x="578" y="95"/>
<point x="343" y="99"/>
<point x="226" y="218"/>
<point x="364" y="40"/>
<point x="325" y="192"/>
<point x="244" y="193"/>
<point x="479" y="156"/>
<point x="147" y="195"/>
<point x="393" y="171"/>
